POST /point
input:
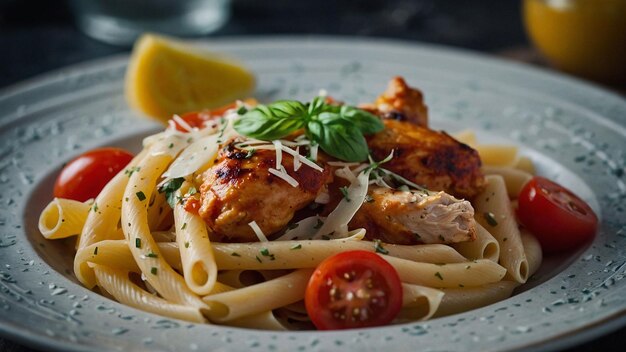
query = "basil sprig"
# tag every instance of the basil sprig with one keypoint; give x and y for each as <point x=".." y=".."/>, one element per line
<point x="338" y="130"/>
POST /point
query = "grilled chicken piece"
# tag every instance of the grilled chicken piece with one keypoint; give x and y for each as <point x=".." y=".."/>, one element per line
<point x="429" y="158"/>
<point x="412" y="217"/>
<point x="239" y="189"/>
<point x="400" y="102"/>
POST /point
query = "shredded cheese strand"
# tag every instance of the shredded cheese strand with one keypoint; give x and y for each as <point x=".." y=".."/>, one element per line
<point x="257" y="231"/>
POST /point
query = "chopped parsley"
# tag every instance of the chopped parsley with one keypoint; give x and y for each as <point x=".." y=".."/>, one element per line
<point x="250" y="153"/>
<point x="319" y="224"/>
<point x="95" y="251"/>
<point x="186" y="244"/>
<point x="141" y="196"/>
<point x="95" y="207"/>
<point x="344" y="191"/>
<point x="438" y="274"/>
<point x="184" y="226"/>
<point x="137" y="242"/>
<point x="296" y="246"/>
<point x="378" y="247"/>
<point x="258" y="259"/>
<point x="235" y="254"/>
<point x="153" y="270"/>
<point x="152" y="255"/>
<point x="266" y="253"/>
<point x="169" y="188"/>
<point x="131" y="170"/>
<point x="490" y="218"/>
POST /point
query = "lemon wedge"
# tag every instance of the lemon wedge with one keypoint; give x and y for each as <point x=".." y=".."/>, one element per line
<point x="167" y="77"/>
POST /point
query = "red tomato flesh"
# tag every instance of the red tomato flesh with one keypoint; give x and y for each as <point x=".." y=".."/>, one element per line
<point x="84" y="177"/>
<point x="555" y="215"/>
<point x="198" y="118"/>
<point x="353" y="289"/>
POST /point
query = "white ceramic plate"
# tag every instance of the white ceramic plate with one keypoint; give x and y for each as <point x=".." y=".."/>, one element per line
<point x="574" y="132"/>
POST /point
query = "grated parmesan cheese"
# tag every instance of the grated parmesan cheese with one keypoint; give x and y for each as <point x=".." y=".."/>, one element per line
<point x="257" y="231"/>
<point x="282" y="173"/>
<point x="296" y="161"/>
<point x="182" y="123"/>
<point x="279" y="153"/>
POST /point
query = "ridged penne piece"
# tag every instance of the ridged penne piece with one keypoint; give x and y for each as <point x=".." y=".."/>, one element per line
<point x="496" y="154"/>
<point x="494" y="213"/>
<point x="514" y="179"/>
<point x="101" y="223"/>
<point x="196" y="252"/>
<point x="418" y="303"/>
<point x="117" y="283"/>
<point x="144" y="248"/>
<point x="485" y="246"/>
<point x="533" y="251"/>
<point x="258" y="298"/>
<point x="474" y="273"/>
<point x="63" y="218"/>
<point x="457" y="300"/>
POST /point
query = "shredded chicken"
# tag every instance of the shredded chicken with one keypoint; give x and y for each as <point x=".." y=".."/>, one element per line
<point x="411" y="217"/>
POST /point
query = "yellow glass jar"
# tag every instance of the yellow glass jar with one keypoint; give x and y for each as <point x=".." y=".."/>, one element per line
<point x="583" y="37"/>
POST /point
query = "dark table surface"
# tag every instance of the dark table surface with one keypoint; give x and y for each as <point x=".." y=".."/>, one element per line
<point x="39" y="35"/>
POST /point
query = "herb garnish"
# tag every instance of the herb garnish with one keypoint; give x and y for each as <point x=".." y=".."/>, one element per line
<point x="338" y="130"/>
<point x="438" y="274"/>
<point x="153" y="270"/>
<point x="296" y="246"/>
<point x="169" y="188"/>
<point x="490" y="218"/>
<point x="140" y="196"/>
<point x="137" y="242"/>
<point x="378" y="247"/>
<point x="344" y="192"/>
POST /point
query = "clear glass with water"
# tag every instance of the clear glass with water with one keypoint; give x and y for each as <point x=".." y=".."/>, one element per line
<point x="122" y="21"/>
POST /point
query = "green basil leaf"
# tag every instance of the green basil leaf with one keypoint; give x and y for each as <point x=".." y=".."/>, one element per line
<point x="317" y="105"/>
<point x="273" y="121"/>
<point x="343" y="142"/>
<point x="368" y="123"/>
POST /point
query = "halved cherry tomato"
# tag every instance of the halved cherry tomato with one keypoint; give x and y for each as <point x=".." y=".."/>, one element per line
<point x="560" y="220"/>
<point x="353" y="289"/>
<point x="84" y="177"/>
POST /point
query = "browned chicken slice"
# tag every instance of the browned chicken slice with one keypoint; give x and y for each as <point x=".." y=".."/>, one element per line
<point x="239" y="189"/>
<point x="400" y="102"/>
<point x="431" y="159"/>
<point x="412" y="217"/>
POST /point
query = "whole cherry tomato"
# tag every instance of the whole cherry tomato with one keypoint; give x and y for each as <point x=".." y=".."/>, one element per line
<point x="556" y="216"/>
<point x="353" y="289"/>
<point x="84" y="177"/>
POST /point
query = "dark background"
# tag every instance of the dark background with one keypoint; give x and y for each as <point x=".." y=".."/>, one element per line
<point x="39" y="35"/>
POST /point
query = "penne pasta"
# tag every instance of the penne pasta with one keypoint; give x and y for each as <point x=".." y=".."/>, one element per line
<point x="457" y="300"/>
<point x="514" y="179"/>
<point x="418" y="302"/>
<point x="497" y="155"/>
<point x="258" y="298"/>
<point x="196" y="253"/>
<point x="117" y="283"/>
<point x="144" y="249"/>
<point x="485" y="246"/>
<point x="475" y="273"/>
<point x="494" y="213"/>
<point x="63" y="218"/>
<point x="533" y="251"/>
